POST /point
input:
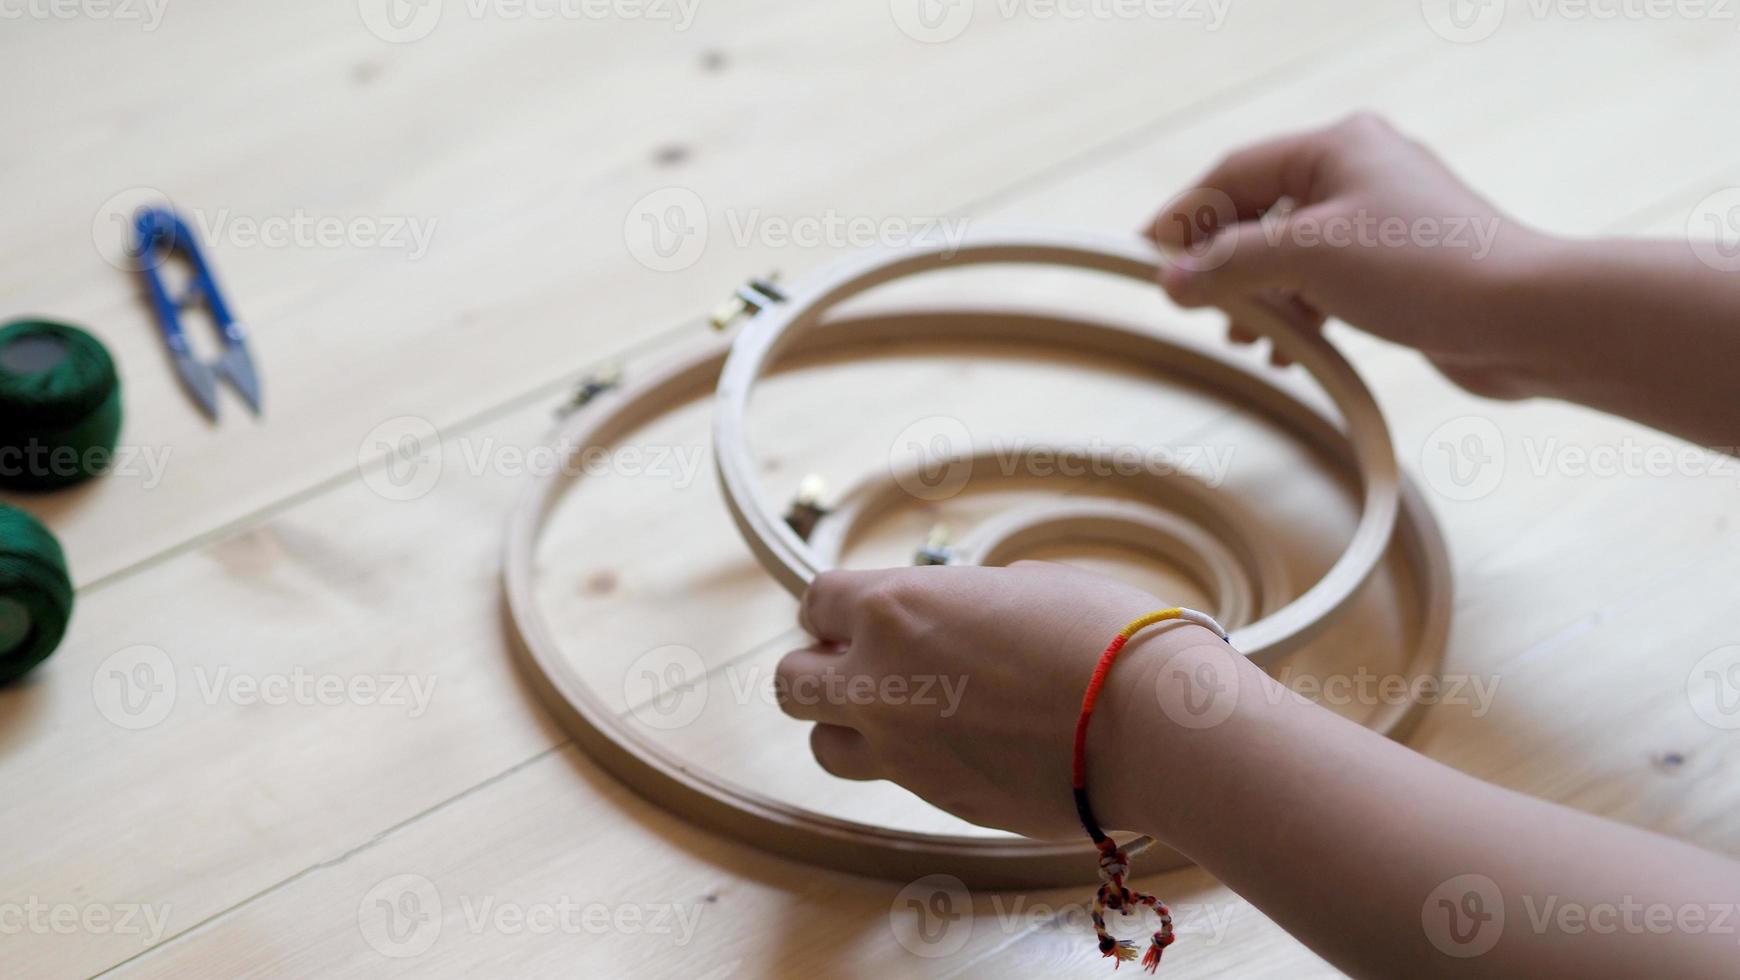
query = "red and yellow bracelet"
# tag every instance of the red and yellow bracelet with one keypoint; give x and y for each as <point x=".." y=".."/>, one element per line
<point x="1114" y="860"/>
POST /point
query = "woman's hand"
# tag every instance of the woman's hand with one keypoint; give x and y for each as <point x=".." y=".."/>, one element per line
<point x="964" y="684"/>
<point x="1372" y="229"/>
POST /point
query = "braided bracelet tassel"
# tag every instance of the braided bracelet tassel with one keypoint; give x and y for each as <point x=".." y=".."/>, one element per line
<point x="1113" y="894"/>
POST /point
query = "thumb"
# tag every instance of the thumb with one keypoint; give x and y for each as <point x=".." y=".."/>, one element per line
<point x="1242" y="258"/>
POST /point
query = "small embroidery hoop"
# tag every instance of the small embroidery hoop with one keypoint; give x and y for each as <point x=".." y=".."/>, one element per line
<point x="1176" y="513"/>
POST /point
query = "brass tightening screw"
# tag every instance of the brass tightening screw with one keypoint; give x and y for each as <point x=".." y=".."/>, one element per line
<point x="806" y="507"/>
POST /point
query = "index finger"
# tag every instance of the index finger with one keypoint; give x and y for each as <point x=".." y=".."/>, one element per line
<point x="826" y="610"/>
<point x="1255" y="178"/>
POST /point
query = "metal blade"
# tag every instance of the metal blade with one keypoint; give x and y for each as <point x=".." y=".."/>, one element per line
<point x="238" y="367"/>
<point x="198" y="381"/>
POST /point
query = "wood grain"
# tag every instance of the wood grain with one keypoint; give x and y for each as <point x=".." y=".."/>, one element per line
<point x="1587" y="599"/>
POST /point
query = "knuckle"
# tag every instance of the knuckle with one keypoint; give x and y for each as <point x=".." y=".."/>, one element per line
<point x="885" y="605"/>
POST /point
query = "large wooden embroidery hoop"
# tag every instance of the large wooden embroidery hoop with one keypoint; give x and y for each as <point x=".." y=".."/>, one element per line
<point x="794" y="832"/>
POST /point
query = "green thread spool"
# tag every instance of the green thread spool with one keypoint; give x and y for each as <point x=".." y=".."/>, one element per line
<point x="36" y="593"/>
<point x="60" y="405"/>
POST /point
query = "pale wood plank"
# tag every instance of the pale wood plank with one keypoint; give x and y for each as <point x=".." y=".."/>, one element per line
<point x="527" y="145"/>
<point x="1581" y="669"/>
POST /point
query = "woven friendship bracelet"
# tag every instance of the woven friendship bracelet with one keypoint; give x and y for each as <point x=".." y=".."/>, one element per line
<point x="1114" y="860"/>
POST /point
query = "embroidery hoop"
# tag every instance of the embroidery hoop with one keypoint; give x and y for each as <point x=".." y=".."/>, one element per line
<point x="794" y="832"/>
<point x="776" y="326"/>
<point x="1207" y="535"/>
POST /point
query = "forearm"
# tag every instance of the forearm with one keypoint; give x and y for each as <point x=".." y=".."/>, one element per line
<point x="1641" y="329"/>
<point x="1346" y="839"/>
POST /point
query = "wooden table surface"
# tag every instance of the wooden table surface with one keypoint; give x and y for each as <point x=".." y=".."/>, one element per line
<point x="284" y="736"/>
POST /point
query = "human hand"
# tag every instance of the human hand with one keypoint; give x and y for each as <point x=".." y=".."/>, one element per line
<point x="963" y="685"/>
<point x="1358" y="222"/>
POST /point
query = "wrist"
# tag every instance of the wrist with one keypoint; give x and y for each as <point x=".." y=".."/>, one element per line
<point x="1174" y="687"/>
<point x="1517" y="338"/>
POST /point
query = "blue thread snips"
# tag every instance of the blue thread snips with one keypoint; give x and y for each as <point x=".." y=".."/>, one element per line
<point x="160" y="234"/>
